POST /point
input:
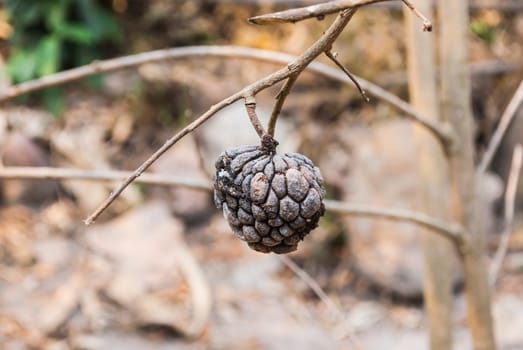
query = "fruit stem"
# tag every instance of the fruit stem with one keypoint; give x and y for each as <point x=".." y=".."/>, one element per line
<point x="268" y="144"/>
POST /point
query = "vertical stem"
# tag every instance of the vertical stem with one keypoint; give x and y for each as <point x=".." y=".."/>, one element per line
<point x="434" y="183"/>
<point x="250" y="106"/>
<point x="456" y="109"/>
<point x="280" y="98"/>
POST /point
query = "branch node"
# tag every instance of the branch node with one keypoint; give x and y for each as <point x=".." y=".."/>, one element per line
<point x="427" y="24"/>
<point x="250" y="101"/>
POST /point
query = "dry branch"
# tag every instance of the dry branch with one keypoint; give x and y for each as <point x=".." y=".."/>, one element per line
<point x="504" y="123"/>
<point x="312" y="11"/>
<point x="442" y="132"/>
<point x="250" y="106"/>
<point x="298" y="65"/>
<point x="510" y="202"/>
<point x="50" y="173"/>
<point x="333" y="57"/>
<point x="319" y="11"/>
<point x="449" y="230"/>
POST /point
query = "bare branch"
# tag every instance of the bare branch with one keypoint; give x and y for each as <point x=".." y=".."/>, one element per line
<point x="334" y="58"/>
<point x="49" y="173"/>
<point x="298" y="65"/>
<point x="312" y="11"/>
<point x="510" y="201"/>
<point x="441" y="131"/>
<point x="250" y="105"/>
<point x="504" y="123"/>
<point x="159" y="152"/>
<point x="451" y="231"/>
<point x="336" y="311"/>
<point x="320" y="10"/>
<point x="280" y="98"/>
<point x="427" y="25"/>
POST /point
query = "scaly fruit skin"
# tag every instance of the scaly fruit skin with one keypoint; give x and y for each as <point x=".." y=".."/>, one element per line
<point x="271" y="201"/>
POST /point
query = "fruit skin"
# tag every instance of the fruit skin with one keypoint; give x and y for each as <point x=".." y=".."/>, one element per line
<point x="271" y="201"/>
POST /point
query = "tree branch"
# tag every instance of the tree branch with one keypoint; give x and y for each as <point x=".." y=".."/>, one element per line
<point x="321" y="10"/>
<point x="298" y="65"/>
<point x="510" y="201"/>
<point x="504" y="123"/>
<point x="333" y="57"/>
<point x="250" y="106"/>
<point x="449" y="230"/>
<point x="312" y="11"/>
<point x="50" y="173"/>
<point x="443" y="132"/>
<point x="293" y="68"/>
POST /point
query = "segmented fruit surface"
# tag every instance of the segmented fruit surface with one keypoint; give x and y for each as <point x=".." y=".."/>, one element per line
<point x="271" y="201"/>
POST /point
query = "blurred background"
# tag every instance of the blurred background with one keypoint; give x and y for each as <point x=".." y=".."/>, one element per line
<point x="124" y="282"/>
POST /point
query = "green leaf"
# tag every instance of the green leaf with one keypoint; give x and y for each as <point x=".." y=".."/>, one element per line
<point x="48" y="54"/>
<point x="52" y="99"/>
<point x="76" y="33"/>
<point x="21" y="66"/>
<point x="483" y="31"/>
<point x="56" y="14"/>
<point x="101" y="23"/>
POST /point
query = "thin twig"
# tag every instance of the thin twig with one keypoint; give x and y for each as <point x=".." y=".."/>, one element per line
<point x="442" y="132"/>
<point x="164" y="148"/>
<point x="510" y="202"/>
<point x="320" y="10"/>
<point x="452" y="231"/>
<point x="427" y="25"/>
<point x="335" y="309"/>
<point x="280" y="98"/>
<point x="504" y="123"/>
<point x="333" y="57"/>
<point x="49" y="173"/>
<point x="312" y="11"/>
<point x="250" y="105"/>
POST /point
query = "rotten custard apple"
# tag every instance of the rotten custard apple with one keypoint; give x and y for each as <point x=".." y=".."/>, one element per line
<point x="271" y="201"/>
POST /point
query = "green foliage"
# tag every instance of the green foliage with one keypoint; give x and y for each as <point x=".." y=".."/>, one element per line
<point x="483" y="30"/>
<point x="52" y="35"/>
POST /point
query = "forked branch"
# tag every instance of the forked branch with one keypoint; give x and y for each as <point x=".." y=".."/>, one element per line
<point x="294" y="67"/>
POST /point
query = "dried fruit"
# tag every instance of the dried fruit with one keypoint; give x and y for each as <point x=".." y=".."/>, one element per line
<point x="271" y="201"/>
